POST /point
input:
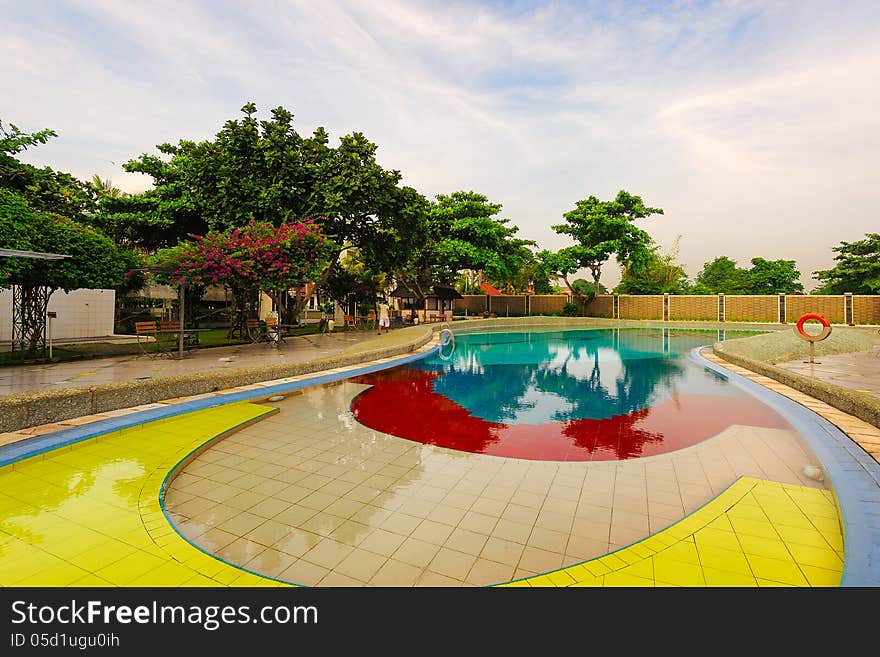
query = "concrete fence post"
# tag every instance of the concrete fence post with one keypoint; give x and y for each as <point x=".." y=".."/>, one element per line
<point x="666" y="306"/>
<point x="848" y="309"/>
<point x="721" y="310"/>
<point x="615" y="306"/>
<point x="781" y="310"/>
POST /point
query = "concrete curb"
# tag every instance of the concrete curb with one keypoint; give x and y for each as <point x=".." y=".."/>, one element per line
<point x="863" y="406"/>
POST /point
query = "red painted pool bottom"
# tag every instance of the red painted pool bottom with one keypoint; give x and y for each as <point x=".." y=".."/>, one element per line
<point x="402" y="403"/>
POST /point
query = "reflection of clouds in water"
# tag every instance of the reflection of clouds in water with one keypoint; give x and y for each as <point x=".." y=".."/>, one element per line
<point x="536" y="407"/>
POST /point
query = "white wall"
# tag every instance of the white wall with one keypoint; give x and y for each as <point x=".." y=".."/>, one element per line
<point x="81" y="314"/>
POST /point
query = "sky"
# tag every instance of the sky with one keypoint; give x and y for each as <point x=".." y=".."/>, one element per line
<point x="754" y="125"/>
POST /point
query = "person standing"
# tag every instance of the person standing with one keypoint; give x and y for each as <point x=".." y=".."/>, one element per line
<point x="384" y="317"/>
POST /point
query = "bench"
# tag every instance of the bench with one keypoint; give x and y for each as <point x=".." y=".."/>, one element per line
<point x="146" y="333"/>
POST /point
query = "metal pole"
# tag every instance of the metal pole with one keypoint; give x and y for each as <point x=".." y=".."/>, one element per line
<point x="181" y="293"/>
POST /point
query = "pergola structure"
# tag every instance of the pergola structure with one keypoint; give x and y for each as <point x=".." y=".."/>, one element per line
<point x="29" y="303"/>
<point x="438" y="296"/>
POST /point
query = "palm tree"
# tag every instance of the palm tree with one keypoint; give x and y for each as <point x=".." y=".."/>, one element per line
<point x="105" y="187"/>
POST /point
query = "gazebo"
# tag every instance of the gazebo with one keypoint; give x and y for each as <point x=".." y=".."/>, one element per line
<point x="436" y="306"/>
<point x="29" y="304"/>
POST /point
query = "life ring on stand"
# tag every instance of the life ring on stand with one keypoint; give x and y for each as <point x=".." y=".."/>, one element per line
<point x="447" y="337"/>
<point x="826" y="327"/>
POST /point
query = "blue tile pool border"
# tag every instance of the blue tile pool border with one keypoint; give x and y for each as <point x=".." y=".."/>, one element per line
<point x="853" y="473"/>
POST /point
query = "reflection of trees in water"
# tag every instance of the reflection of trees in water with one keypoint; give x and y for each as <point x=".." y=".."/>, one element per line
<point x="612" y="438"/>
<point x="403" y="403"/>
<point x="561" y="372"/>
<point x="634" y="388"/>
<point x="35" y="520"/>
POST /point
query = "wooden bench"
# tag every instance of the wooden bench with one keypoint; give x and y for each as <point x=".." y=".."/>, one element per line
<point x="146" y="333"/>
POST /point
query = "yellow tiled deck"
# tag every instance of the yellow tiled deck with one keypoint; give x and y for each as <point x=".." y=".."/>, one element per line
<point x="89" y="514"/>
<point x="755" y="533"/>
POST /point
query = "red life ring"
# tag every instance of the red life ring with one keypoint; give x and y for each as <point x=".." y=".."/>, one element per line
<point x="826" y="327"/>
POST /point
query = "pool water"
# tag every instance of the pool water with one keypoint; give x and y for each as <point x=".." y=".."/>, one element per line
<point x="578" y="395"/>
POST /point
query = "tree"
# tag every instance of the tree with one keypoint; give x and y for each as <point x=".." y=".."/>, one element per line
<point x="528" y="276"/>
<point x="458" y="231"/>
<point x="857" y="269"/>
<point x="47" y="211"/>
<point x="659" y="274"/>
<point x="601" y="229"/>
<point x="265" y="171"/>
<point x="585" y="288"/>
<point x="43" y="189"/>
<point x="104" y="187"/>
<point x="721" y="275"/>
<point x="774" y="277"/>
<point x="93" y="262"/>
<point x="257" y="257"/>
<point x="352" y="283"/>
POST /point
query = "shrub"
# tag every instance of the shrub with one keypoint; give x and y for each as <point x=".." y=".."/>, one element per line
<point x="570" y="309"/>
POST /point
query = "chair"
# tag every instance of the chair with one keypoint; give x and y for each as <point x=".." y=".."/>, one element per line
<point x="256" y="330"/>
<point x="349" y="321"/>
<point x="274" y="333"/>
<point x="145" y="331"/>
<point x="371" y="319"/>
<point x="169" y="332"/>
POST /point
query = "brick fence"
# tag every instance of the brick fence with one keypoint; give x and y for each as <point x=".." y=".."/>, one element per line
<point x="512" y="305"/>
<point x="774" y="308"/>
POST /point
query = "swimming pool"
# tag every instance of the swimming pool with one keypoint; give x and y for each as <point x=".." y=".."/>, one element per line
<point x="571" y="395"/>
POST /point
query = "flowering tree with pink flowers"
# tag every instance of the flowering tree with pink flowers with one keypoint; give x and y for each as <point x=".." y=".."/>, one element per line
<point x="257" y="257"/>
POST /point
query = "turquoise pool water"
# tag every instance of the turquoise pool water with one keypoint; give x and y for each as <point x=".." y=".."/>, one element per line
<point x="569" y="395"/>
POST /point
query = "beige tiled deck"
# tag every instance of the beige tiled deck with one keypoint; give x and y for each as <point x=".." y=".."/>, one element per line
<point x="312" y="497"/>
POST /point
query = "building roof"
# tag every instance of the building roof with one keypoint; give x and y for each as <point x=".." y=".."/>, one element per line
<point x="15" y="253"/>
<point x="490" y="289"/>
<point x="439" y="291"/>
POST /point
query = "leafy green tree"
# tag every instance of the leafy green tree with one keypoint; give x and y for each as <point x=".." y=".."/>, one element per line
<point x="265" y="171"/>
<point x="857" y="269"/>
<point x="774" y="277"/>
<point x="459" y="231"/>
<point x="601" y="229"/>
<point x="658" y="274"/>
<point x="585" y="288"/>
<point x="721" y="275"/>
<point x="43" y="189"/>
<point x="93" y="262"/>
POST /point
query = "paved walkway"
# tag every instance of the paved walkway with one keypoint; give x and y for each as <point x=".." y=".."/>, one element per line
<point x="859" y="371"/>
<point x="84" y="373"/>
